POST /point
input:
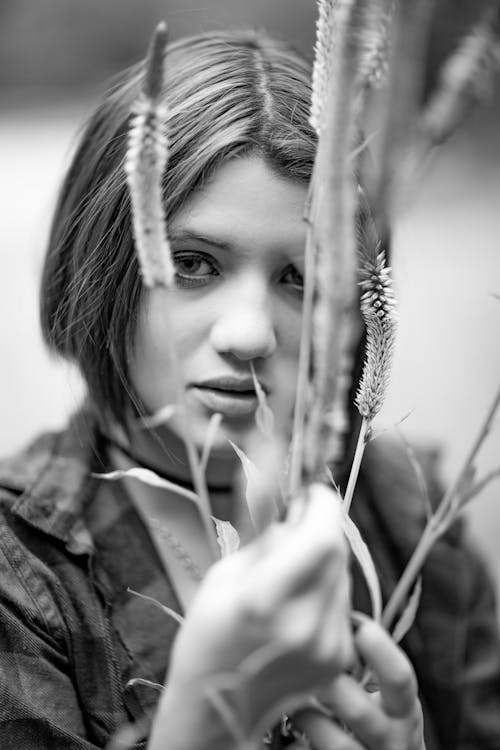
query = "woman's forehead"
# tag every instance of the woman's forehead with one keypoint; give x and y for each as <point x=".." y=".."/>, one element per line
<point x="244" y="204"/>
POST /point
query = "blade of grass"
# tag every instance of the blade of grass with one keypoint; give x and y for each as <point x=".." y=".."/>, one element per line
<point x="146" y="160"/>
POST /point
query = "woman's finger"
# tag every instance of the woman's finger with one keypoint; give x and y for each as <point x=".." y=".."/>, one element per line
<point x="352" y="705"/>
<point x="311" y="548"/>
<point x="323" y="733"/>
<point x="394" y="672"/>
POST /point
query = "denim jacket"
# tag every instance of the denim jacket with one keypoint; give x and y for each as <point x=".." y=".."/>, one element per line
<point x="73" y="636"/>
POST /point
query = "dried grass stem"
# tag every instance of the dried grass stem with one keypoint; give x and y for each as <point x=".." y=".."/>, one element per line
<point x="446" y="513"/>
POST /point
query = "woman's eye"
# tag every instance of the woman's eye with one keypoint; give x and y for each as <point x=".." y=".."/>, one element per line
<point x="293" y="278"/>
<point x="193" y="269"/>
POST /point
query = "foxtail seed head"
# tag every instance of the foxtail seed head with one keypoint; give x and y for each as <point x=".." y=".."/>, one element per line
<point x="377" y="297"/>
<point x="378" y="307"/>
<point x="145" y="163"/>
<point x="322" y="68"/>
<point x="375" y="61"/>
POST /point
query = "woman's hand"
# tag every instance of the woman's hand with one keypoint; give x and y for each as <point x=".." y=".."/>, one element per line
<point x="270" y="622"/>
<point x="388" y="718"/>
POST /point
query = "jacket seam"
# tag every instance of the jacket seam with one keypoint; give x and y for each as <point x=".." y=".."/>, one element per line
<point x="41" y="598"/>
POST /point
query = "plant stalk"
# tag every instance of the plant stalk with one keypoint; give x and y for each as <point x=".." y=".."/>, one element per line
<point x="401" y="105"/>
<point x="303" y="385"/>
<point x="147" y="158"/>
<point x="356" y="463"/>
<point x="333" y="215"/>
<point x="447" y="511"/>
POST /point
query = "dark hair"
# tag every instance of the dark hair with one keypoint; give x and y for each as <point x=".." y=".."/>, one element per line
<point x="229" y="94"/>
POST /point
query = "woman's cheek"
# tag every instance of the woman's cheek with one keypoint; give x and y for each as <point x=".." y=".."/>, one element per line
<point x="288" y="330"/>
<point x="191" y="320"/>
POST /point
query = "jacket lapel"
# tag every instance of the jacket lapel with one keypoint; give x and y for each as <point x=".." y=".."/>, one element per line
<point x="126" y="561"/>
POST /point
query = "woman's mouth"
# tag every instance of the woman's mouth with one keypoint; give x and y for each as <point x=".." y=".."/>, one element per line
<point x="231" y="397"/>
<point x="227" y="403"/>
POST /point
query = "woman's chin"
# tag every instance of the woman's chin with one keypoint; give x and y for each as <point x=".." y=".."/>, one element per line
<point x="227" y="430"/>
<point x="217" y="428"/>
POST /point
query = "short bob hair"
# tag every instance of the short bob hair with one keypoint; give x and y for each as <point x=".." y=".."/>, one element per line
<point x="229" y="94"/>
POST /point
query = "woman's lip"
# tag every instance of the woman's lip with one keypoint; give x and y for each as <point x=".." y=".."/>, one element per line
<point x="230" y="383"/>
<point x="226" y="402"/>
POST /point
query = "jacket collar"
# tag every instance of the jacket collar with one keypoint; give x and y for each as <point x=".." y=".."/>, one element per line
<point x="57" y="495"/>
<point x="52" y="481"/>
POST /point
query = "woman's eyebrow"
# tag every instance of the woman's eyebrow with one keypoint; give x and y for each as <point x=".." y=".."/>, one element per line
<point x="186" y="234"/>
<point x="191" y="235"/>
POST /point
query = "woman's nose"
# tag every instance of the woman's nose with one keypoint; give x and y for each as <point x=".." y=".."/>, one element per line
<point x="245" y="328"/>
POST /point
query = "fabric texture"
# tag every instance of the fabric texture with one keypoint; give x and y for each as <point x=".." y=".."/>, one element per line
<point x="73" y="634"/>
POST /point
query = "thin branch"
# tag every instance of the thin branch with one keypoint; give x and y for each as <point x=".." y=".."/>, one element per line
<point x="446" y="512"/>
<point x="450" y="501"/>
<point x="477" y="488"/>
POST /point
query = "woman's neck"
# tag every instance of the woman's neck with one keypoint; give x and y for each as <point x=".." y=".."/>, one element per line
<point x="164" y="452"/>
<point x="165" y="449"/>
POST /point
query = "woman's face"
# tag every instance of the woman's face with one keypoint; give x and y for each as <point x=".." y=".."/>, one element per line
<point x="238" y="248"/>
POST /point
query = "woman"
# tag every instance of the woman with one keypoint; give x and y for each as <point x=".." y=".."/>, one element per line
<point x="268" y="627"/>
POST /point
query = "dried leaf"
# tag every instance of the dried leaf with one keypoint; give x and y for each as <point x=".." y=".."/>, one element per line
<point x="148" y="477"/>
<point x="227" y="536"/>
<point x="264" y="417"/>
<point x="419" y="474"/>
<point x="145" y="683"/>
<point x="212" y="428"/>
<point x="158" y="418"/>
<point x="167" y="610"/>
<point x="259" y="506"/>
<point x="409" y="613"/>
<point x="362" y="554"/>
<point x="331" y="478"/>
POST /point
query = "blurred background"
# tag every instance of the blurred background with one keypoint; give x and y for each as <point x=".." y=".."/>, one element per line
<point x="55" y="57"/>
